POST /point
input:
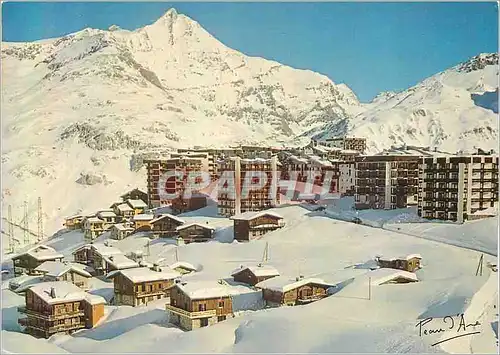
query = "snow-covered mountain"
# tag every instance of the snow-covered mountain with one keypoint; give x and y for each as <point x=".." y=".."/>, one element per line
<point x="453" y="110"/>
<point x="79" y="112"/>
<point x="93" y="101"/>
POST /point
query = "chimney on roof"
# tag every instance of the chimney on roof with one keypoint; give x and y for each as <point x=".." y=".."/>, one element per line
<point x="111" y="258"/>
<point x="297" y="278"/>
<point x="221" y="282"/>
<point x="259" y="264"/>
<point x="53" y="292"/>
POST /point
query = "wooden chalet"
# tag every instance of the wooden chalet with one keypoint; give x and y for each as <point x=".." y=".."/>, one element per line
<point x="165" y="225"/>
<point x="102" y="258"/>
<point x="93" y="227"/>
<point x="121" y="231"/>
<point x="26" y="262"/>
<point x="409" y="263"/>
<point x="139" y="206"/>
<point x="249" y="225"/>
<point x="282" y="290"/>
<point x="77" y="274"/>
<point x="186" y="204"/>
<point x="135" y="194"/>
<point x="59" y="307"/>
<point x="123" y="211"/>
<point x="137" y="286"/>
<point x="195" y="232"/>
<point x="254" y="274"/>
<point x="109" y="217"/>
<point x="142" y="222"/>
<point x="73" y="222"/>
<point x="199" y="304"/>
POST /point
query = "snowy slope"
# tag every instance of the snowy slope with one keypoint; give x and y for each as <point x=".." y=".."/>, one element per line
<point x="316" y="246"/>
<point x="452" y="110"/>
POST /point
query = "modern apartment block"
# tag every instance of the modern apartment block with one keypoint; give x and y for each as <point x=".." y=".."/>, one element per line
<point x="347" y="178"/>
<point x="456" y="188"/>
<point x="183" y="165"/>
<point x="241" y="188"/>
<point x="385" y="181"/>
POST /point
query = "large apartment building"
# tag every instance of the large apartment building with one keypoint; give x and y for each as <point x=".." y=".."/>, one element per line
<point x="385" y="181"/>
<point x="242" y="188"/>
<point x="159" y="187"/>
<point x="456" y="188"/>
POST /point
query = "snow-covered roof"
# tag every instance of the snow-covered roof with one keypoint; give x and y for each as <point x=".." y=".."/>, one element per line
<point x="122" y="227"/>
<point x="58" y="268"/>
<point x="197" y="290"/>
<point x="384" y="275"/>
<point x="247" y="216"/>
<point x="491" y="211"/>
<point x="183" y="265"/>
<point x="285" y="284"/>
<point x="102" y="249"/>
<point x="95" y="220"/>
<point x="41" y="253"/>
<point x="145" y="274"/>
<point x="349" y="151"/>
<point x="407" y="257"/>
<point x="258" y="270"/>
<point x="63" y="291"/>
<point x="162" y="216"/>
<point x="297" y="160"/>
<point x="75" y="216"/>
<point x="106" y="214"/>
<point x="123" y="207"/>
<point x="137" y="203"/>
<point x="120" y="261"/>
<point x="184" y="226"/>
<point x="143" y="217"/>
<point x="318" y="160"/>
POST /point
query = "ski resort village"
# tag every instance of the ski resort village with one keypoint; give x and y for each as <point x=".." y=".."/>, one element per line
<point x="162" y="208"/>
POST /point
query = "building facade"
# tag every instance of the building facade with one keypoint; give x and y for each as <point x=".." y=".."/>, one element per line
<point x="247" y="185"/>
<point x="457" y="188"/>
<point x="385" y="181"/>
<point x="251" y="225"/>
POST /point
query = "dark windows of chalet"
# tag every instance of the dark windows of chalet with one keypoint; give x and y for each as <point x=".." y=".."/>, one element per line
<point x="221" y="318"/>
<point x="221" y="304"/>
<point x="203" y="321"/>
<point x="202" y="307"/>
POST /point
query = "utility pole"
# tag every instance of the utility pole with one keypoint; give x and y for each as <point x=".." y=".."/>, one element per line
<point x="266" y="253"/>
<point x="479" y="269"/>
<point x="26" y="225"/>
<point x="176" y="255"/>
<point x="11" y="230"/>
<point x="40" y="220"/>
<point x="369" y="288"/>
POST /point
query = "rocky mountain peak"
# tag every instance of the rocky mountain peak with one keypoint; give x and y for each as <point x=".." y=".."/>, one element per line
<point x="479" y="62"/>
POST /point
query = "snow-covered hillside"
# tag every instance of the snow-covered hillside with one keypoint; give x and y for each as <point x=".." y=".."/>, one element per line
<point x="453" y="110"/>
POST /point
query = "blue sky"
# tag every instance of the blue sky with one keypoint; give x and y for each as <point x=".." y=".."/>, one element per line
<point x="372" y="47"/>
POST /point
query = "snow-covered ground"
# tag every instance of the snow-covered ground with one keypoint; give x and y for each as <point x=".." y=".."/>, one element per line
<point x="355" y="319"/>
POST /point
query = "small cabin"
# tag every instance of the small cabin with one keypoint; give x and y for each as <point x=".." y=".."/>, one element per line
<point x="93" y="227"/>
<point x="94" y="255"/>
<point x="139" y="206"/>
<point x="135" y="194"/>
<point x="254" y="274"/>
<point x="409" y="263"/>
<point x="250" y="225"/>
<point x="386" y="276"/>
<point x="118" y="262"/>
<point x="28" y="261"/>
<point x="138" y="286"/>
<point x="282" y="290"/>
<point x="199" y="304"/>
<point x="122" y="210"/>
<point x="195" y="232"/>
<point x="165" y="225"/>
<point x="59" y="308"/>
<point x="192" y="203"/>
<point x="73" y="222"/>
<point x="109" y="218"/>
<point x="142" y="222"/>
<point x="120" y="231"/>
<point x="77" y="274"/>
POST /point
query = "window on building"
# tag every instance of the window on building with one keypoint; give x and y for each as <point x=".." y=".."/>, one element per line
<point x="221" y="304"/>
<point x="202" y="307"/>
